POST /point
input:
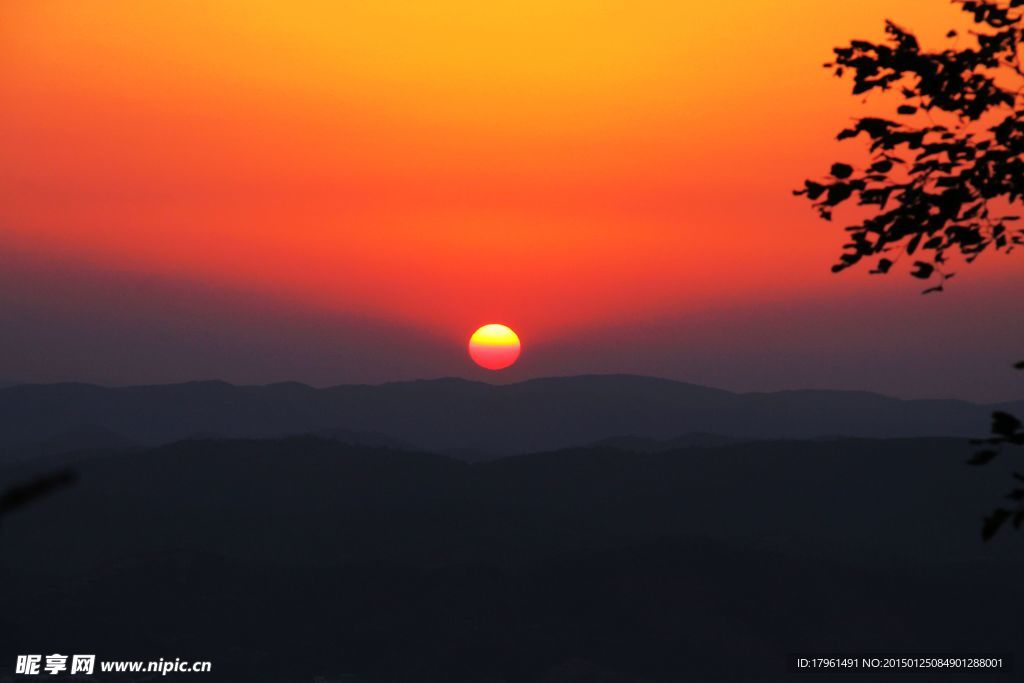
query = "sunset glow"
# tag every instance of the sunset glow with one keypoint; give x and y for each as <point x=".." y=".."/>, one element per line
<point x="374" y="157"/>
<point x="348" y="178"/>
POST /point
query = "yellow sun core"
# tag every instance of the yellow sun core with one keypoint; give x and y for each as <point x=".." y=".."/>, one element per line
<point x="494" y="346"/>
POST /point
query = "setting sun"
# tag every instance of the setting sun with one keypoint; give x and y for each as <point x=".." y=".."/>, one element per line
<point x="494" y="347"/>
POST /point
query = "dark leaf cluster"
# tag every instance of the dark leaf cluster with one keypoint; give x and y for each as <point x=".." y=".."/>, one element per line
<point x="1007" y="430"/>
<point x="944" y="169"/>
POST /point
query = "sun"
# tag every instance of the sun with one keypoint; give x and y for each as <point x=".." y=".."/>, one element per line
<point x="494" y="346"/>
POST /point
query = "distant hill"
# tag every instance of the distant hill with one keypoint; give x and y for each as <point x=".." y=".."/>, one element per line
<point x="355" y="438"/>
<point x="843" y="494"/>
<point x="72" y="440"/>
<point x="474" y="419"/>
<point x="640" y="444"/>
<point x="306" y="556"/>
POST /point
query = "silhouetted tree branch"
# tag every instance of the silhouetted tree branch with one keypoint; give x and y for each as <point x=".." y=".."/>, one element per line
<point x="934" y="188"/>
<point x="22" y="494"/>
<point x="1007" y="430"/>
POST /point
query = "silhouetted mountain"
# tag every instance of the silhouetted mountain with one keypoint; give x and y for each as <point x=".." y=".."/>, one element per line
<point x="356" y="438"/>
<point x="75" y="439"/>
<point x="641" y="444"/>
<point x="284" y="559"/>
<point x="475" y="419"/>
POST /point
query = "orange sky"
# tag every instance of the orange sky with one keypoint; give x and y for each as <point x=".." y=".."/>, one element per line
<point x="555" y="166"/>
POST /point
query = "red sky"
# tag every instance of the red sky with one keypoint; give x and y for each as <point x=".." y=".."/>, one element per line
<point x="566" y="168"/>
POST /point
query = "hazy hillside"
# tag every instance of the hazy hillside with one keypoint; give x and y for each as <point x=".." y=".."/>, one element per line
<point x="640" y="444"/>
<point x="471" y="419"/>
<point x="306" y="556"/>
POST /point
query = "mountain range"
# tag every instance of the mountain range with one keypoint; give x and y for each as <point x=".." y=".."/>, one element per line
<point x="308" y="559"/>
<point x="594" y="528"/>
<point x="470" y="420"/>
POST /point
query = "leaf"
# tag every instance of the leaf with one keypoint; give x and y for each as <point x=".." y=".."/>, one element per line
<point x="982" y="458"/>
<point x="924" y="270"/>
<point x="882" y="267"/>
<point x="992" y="523"/>
<point x="838" y="193"/>
<point x="842" y="171"/>
<point x="812" y="189"/>
<point x="1004" y="424"/>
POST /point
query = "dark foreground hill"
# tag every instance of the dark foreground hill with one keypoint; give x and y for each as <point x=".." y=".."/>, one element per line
<point x="282" y="560"/>
<point x="469" y="419"/>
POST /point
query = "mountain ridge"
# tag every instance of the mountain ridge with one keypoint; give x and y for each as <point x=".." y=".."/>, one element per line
<point x="474" y="418"/>
<point x="406" y="558"/>
<point x="533" y="381"/>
